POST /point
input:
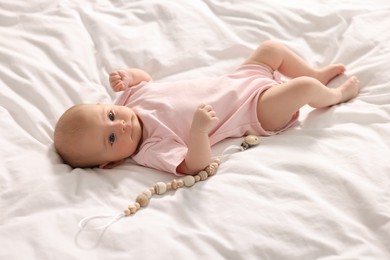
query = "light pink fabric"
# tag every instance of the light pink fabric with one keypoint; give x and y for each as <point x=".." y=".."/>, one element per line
<point x="166" y="111"/>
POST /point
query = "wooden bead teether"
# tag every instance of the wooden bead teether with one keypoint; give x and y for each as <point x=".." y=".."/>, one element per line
<point x="161" y="188"/>
<point x="249" y="141"/>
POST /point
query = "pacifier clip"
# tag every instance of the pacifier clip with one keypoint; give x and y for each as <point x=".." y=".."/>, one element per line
<point x="161" y="188"/>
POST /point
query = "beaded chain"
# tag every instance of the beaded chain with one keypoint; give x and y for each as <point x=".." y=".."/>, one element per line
<point x="160" y="188"/>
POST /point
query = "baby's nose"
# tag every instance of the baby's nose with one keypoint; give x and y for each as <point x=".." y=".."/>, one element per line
<point x="122" y="126"/>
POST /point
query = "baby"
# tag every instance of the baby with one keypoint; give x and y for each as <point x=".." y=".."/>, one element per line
<point x="172" y="126"/>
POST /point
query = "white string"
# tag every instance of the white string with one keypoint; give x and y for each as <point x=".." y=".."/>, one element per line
<point x="84" y="222"/>
<point x="83" y="227"/>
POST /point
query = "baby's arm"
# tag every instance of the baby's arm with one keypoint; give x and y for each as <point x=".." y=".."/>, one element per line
<point x="199" y="149"/>
<point x="122" y="79"/>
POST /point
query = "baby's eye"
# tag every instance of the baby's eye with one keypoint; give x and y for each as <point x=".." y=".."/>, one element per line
<point x="111" y="116"/>
<point x="111" y="139"/>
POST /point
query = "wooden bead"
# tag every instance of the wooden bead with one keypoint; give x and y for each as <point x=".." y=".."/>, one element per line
<point x="160" y="188"/>
<point x="252" y="140"/>
<point x="189" y="180"/>
<point x="142" y="199"/>
<point x="152" y="190"/>
<point x="217" y="161"/>
<point x="127" y="212"/>
<point x="214" y="164"/>
<point x="180" y="183"/>
<point x="148" y="193"/>
<point x="197" y="178"/>
<point x="203" y="175"/>
<point x="133" y="209"/>
<point x="174" y="184"/>
<point x="137" y="205"/>
<point x="210" y="170"/>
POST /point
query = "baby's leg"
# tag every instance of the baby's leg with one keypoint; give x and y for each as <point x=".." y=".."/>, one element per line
<point x="277" y="105"/>
<point x="278" y="57"/>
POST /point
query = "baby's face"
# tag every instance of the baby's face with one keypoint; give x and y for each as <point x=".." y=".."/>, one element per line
<point x="113" y="133"/>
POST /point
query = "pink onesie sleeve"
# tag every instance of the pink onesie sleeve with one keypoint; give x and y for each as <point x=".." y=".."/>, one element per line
<point x="152" y="154"/>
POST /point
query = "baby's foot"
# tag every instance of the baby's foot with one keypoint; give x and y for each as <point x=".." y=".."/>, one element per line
<point x="349" y="89"/>
<point x="119" y="80"/>
<point x="329" y="72"/>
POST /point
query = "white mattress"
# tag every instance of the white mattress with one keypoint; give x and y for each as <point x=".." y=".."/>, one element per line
<point x="320" y="190"/>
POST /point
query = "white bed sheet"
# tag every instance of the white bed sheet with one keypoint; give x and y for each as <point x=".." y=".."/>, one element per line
<point x="320" y="190"/>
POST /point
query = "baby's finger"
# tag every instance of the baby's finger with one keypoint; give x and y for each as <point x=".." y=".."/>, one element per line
<point x="122" y="74"/>
<point x="201" y="106"/>
<point x="208" y="108"/>
<point x="119" y="86"/>
<point x="212" y="113"/>
<point x="114" y="82"/>
<point x="114" y="78"/>
<point x="113" y="73"/>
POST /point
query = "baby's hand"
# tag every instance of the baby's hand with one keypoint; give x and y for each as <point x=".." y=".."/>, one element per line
<point x="120" y="80"/>
<point x="204" y="116"/>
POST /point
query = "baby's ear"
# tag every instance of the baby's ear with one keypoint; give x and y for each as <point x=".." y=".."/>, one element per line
<point x="110" y="165"/>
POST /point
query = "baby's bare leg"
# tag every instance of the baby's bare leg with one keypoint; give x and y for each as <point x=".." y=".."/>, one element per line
<point x="277" y="56"/>
<point x="277" y="105"/>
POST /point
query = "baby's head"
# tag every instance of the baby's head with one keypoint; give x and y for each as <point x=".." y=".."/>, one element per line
<point x="97" y="135"/>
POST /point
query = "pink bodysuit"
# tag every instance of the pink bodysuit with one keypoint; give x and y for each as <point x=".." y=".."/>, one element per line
<point x="166" y="111"/>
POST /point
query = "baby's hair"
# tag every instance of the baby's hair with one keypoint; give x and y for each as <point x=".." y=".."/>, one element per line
<point x="69" y="128"/>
